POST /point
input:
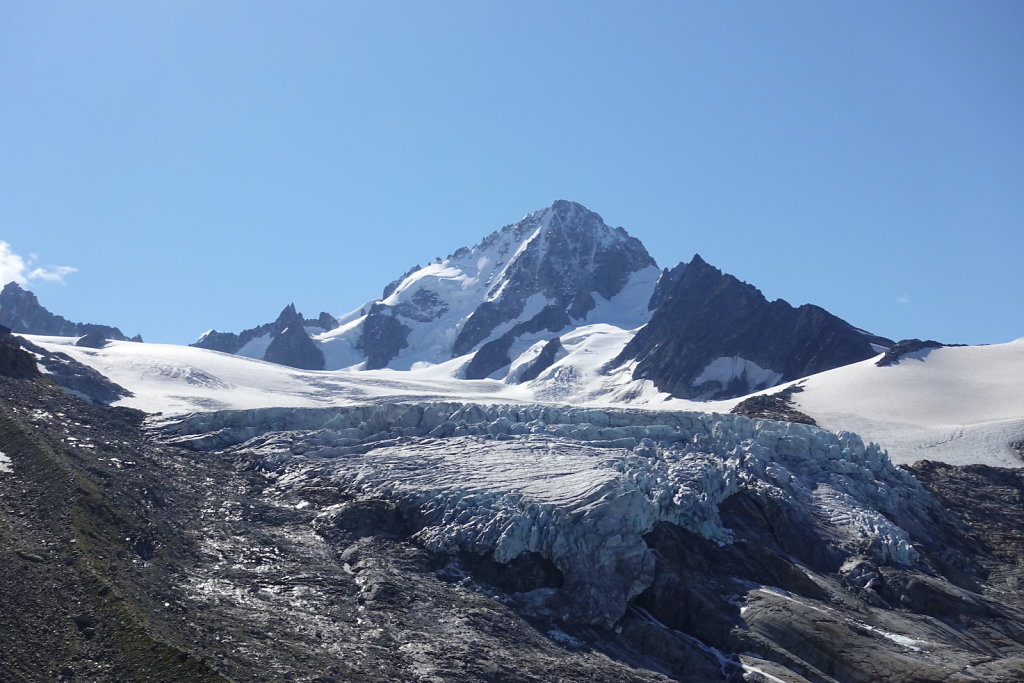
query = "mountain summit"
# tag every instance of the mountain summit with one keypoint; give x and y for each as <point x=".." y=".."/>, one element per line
<point x="555" y="268"/>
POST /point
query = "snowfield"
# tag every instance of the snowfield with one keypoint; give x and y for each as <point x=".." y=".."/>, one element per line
<point x="959" y="405"/>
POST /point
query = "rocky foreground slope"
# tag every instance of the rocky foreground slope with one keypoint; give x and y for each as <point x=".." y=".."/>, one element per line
<point x="451" y="541"/>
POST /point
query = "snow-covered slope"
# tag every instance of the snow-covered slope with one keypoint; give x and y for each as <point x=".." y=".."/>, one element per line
<point x="173" y="379"/>
<point x="956" y="404"/>
<point x="170" y="379"/>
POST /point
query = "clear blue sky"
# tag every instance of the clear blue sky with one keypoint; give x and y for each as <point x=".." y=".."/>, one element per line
<point x="202" y="164"/>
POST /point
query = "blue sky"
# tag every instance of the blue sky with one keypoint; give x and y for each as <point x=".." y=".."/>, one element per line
<point x="202" y="164"/>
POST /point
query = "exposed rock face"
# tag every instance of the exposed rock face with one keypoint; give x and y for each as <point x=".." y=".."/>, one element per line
<point x="495" y="354"/>
<point x="294" y="347"/>
<point x="325" y="321"/>
<point x="225" y="342"/>
<point x="990" y="500"/>
<point x="777" y="406"/>
<point x="76" y="378"/>
<point x="92" y="340"/>
<point x="297" y="349"/>
<point x="383" y="337"/>
<point x="712" y="336"/>
<point x="21" y="311"/>
<point x="544" y="360"/>
<point x="14" y="361"/>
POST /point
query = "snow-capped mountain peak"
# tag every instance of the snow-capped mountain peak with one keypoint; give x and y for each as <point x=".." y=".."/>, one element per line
<point x="552" y="269"/>
<point x="559" y="298"/>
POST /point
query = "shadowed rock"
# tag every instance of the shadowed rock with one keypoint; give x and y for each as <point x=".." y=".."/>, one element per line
<point x="712" y="336"/>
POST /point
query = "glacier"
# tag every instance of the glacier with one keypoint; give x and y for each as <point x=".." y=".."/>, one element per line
<point x="579" y="487"/>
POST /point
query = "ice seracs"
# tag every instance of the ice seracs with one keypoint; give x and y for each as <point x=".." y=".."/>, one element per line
<point x="579" y="487"/>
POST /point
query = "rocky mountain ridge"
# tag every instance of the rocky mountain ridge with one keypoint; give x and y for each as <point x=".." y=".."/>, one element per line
<point x="501" y="307"/>
<point x="21" y="311"/>
<point x="712" y="336"/>
<point x="285" y="341"/>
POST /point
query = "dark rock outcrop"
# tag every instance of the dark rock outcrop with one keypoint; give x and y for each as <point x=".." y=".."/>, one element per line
<point x="325" y="321"/>
<point x="713" y="336"/>
<point x="900" y="349"/>
<point x="14" y="361"/>
<point x="390" y="288"/>
<point x="92" y="340"/>
<point x="382" y="338"/>
<point x="20" y="359"/>
<point x="777" y="406"/>
<point x="296" y="350"/>
<point x="494" y="355"/>
<point x="794" y="618"/>
<point x="544" y="360"/>
<point x="21" y="311"/>
<point x="76" y="378"/>
<point x="990" y="501"/>
<point x="225" y="342"/>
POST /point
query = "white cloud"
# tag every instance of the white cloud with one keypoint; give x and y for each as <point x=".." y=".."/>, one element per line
<point x="15" y="268"/>
<point x="903" y="299"/>
<point x="54" y="274"/>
